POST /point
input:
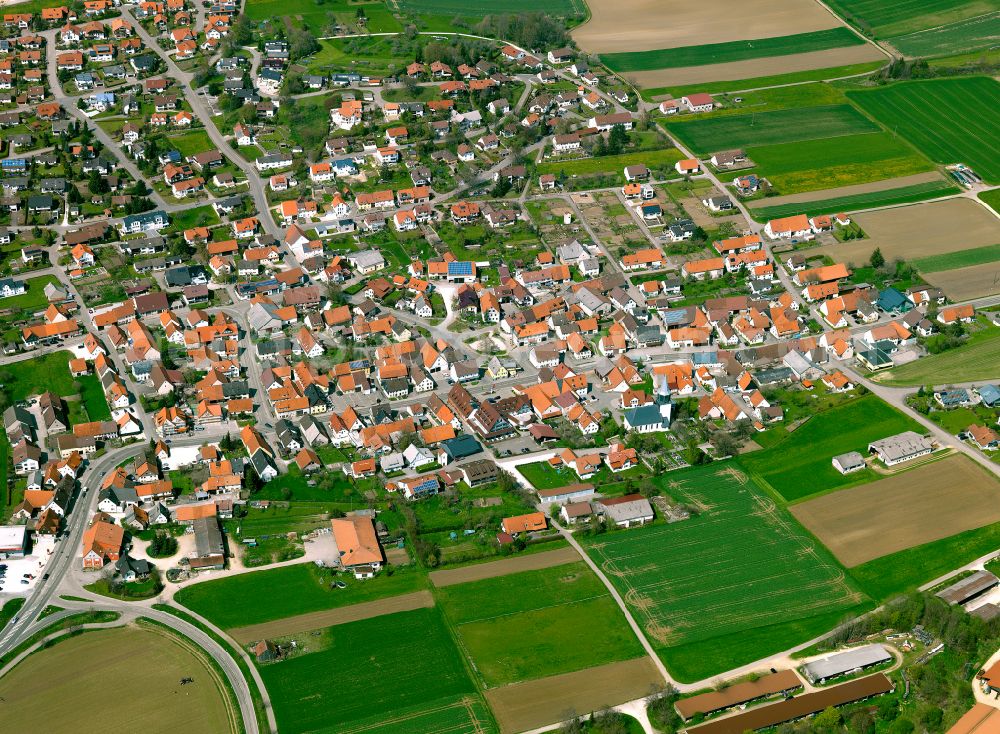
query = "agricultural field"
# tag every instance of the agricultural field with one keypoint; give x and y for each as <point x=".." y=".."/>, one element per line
<point x="992" y="199"/>
<point x="952" y="23"/>
<point x="922" y="230"/>
<point x="969" y="133"/>
<point x="533" y="704"/>
<point x="769" y="82"/>
<point x="736" y="582"/>
<point x="770" y="128"/>
<point x="867" y="200"/>
<point x="720" y="53"/>
<point x="933" y="501"/>
<point x="199" y="708"/>
<point x="491" y="569"/>
<point x="960" y="259"/>
<point x="245" y="599"/>
<point x="569" y="622"/>
<point x="975" y="360"/>
<point x="800" y="464"/>
<point x="408" y="658"/>
<point x="906" y="570"/>
<point x="332" y="617"/>
<point x="643" y="25"/>
<point x="979" y="32"/>
<point x="965" y="284"/>
<point x="826" y="163"/>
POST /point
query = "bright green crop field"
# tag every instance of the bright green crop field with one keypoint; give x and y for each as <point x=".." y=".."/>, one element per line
<point x="960" y="259"/>
<point x="250" y="598"/>
<point x="811" y="165"/>
<point x="949" y="120"/>
<point x="566" y="604"/>
<point x="770" y="128"/>
<point x="897" y="17"/>
<point x="739" y="581"/>
<point x="720" y="53"/>
<point x="377" y="675"/>
<point x="980" y="32"/>
<point x="889" y="197"/>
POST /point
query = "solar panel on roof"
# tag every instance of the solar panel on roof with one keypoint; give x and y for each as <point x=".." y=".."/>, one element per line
<point x="460" y="268"/>
<point x="673" y="317"/>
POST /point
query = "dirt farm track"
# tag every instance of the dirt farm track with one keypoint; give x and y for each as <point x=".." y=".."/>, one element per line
<point x="330" y="617"/>
<point x="928" y="503"/>
<point x="642" y="25"/>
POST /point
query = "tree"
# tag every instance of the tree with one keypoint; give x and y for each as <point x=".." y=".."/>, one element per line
<point x="877" y="260"/>
<point x="97" y="184"/>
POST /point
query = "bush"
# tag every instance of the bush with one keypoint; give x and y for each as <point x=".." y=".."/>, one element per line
<point x="162" y="545"/>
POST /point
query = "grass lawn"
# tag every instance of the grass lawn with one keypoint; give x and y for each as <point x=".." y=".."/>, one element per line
<point x="969" y="134"/>
<point x="898" y="573"/>
<point x="763" y="82"/>
<point x="736" y="582"/>
<point x="664" y="158"/>
<point x="976" y="359"/>
<point x="902" y="195"/>
<point x="957" y="420"/>
<point x="827" y="163"/>
<point x="769" y="128"/>
<point x="199" y="216"/>
<point x="315" y="15"/>
<point x="34" y="299"/>
<point x="720" y="53"/>
<point x="247" y="598"/>
<point x="960" y="259"/>
<point x="800" y="465"/>
<point x="372" y="55"/>
<point x="92" y="397"/>
<point x="567" y="603"/>
<point x="132" y="591"/>
<point x="190" y="143"/>
<point x="9" y="610"/>
<point x="375" y="670"/>
<point x="34" y="376"/>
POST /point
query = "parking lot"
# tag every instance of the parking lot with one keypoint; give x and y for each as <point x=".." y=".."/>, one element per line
<point x="11" y="584"/>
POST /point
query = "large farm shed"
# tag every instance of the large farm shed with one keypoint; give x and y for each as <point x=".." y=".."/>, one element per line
<point x="784" y="681"/>
<point x="969" y="588"/>
<point x="798" y="707"/>
<point x="845" y="662"/>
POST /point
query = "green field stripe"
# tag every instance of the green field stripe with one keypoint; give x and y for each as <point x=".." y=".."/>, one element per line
<point x="763" y="82"/>
<point x="889" y="197"/>
<point x="720" y="53"/>
<point x="960" y="259"/>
